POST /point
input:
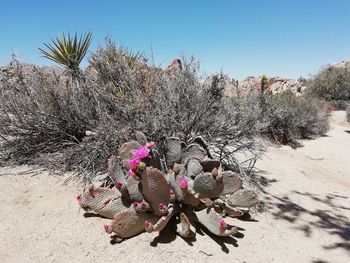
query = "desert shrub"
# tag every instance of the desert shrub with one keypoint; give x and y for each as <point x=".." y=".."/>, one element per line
<point x="284" y="117"/>
<point x="41" y="113"/>
<point x="331" y="84"/>
<point x="337" y="105"/>
<point x="50" y="119"/>
<point x="348" y="113"/>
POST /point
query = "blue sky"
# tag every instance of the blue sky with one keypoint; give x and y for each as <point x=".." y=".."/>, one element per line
<point x="242" y="38"/>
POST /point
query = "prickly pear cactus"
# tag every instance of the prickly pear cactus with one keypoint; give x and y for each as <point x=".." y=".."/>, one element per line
<point x="149" y="188"/>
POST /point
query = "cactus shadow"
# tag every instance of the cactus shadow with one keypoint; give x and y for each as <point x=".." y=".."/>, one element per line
<point x="167" y="235"/>
<point x="247" y="217"/>
<point x="89" y="214"/>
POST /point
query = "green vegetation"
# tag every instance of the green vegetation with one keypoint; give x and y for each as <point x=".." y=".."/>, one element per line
<point x="284" y="118"/>
<point x="330" y="84"/>
<point x="68" y="51"/>
<point x="46" y="121"/>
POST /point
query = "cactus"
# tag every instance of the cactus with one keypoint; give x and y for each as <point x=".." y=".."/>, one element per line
<point x="173" y="153"/>
<point x="193" y="167"/>
<point x="103" y="201"/>
<point x="155" y="189"/>
<point x="128" y="223"/>
<point x="209" y="164"/>
<point x="125" y="152"/>
<point x="133" y="187"/>
<point x="163" y="221"/>
<point x="193" y="150"/>
<point x="115" y="171"/>
<point x="209" y="185"/>
<point x="232" y="182"/>
<point x="243" y="198"/>
<point x="187" y="230"/>
<point x="214" y="223"/>
<point x="181" y="185"/>
<point x="140" y="137"/>
<point x="147" y="195"/>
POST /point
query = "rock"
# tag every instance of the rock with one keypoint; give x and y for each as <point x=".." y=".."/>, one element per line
<point x="174" y="66"/>
<point x="341" y="64"/>
<point x="274" y="85"/>
<point x="229" y="84"/>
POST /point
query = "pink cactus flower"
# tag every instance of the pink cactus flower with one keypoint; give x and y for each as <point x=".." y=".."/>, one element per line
<point x="134" y="162"/>
<point x="222" y="224"/>
<point x="143" y="204"/>
<point x="135" y="204"/>
<point x="147" y="224"/>
<point x="132" y="172"/>
<point x="150" y="145"/>
<point x="118" y="184"/>
<point x="162" y="206"/>
<point x="107" y="228"/>
<point x="78" y="197"/>
<point x="141" y="152"/>
<point x="183" y="183"/>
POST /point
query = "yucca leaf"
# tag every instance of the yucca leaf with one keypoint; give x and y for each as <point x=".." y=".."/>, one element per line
<point x="67" y="50"/>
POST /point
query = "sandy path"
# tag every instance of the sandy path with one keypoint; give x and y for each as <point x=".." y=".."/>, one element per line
<point x="306" y="219"/>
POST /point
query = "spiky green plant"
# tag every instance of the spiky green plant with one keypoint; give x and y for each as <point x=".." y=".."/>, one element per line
<point x="68" y="51"/>
<point x="263" y="83"/>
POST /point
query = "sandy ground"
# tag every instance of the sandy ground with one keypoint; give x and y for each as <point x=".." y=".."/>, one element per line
<point x="306" y="218"/>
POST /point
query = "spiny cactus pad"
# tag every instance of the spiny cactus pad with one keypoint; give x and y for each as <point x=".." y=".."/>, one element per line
<point x="232" y="182"/>
<point x="173" y="153"/>
<point x="243" y="198"/>
<point x="191" y="187"/>
<point x="208" y="185"/>
<point x="129" y="222"/>
<point x="125" y="152"/>
<point x="155" y="189"/>
<point x="214" y="222"/>
<point x="103" y="201"/>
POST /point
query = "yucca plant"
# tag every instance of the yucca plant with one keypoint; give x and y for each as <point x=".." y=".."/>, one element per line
<point x="68" y="51"/>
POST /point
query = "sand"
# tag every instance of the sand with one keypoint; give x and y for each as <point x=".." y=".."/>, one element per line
<point x="306" y="217"/>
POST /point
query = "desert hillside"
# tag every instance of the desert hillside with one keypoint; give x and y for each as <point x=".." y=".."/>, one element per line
<point x="305" y="217"/>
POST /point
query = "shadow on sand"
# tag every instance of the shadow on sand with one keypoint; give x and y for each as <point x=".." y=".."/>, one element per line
<point x="331" y="219"/>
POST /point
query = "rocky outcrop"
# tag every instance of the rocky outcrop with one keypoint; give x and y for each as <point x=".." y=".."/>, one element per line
<point x="341" y="64"/>
<point x="273" y="85"/>
<point x="174" y="66"/>
<point x="231" y="88"/>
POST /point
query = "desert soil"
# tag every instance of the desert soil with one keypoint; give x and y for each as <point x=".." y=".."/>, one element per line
<point x="306" y="217"/>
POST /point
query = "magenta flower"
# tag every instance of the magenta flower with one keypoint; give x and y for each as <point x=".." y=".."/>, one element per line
<point x="78" y="197"/>
<point x="222" y="224"/>
<point x="107" y="228"/>
<point x="132" y="172"/>
<point x="147" y="224"/>
<point x="134" y="162"/>
<point x="118" y="184"/>
<point x="183" y="183"/>
<point x="162" y="206"/>
<point x="143" y="204"/>
<point x="141" y="152"/>
<point x="135" y="204"/>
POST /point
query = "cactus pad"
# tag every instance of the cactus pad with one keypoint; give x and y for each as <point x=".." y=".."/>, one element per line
<point x="150" y="190"/>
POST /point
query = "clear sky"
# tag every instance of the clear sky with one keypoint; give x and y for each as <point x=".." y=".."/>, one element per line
<point x="288" y="38"/>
